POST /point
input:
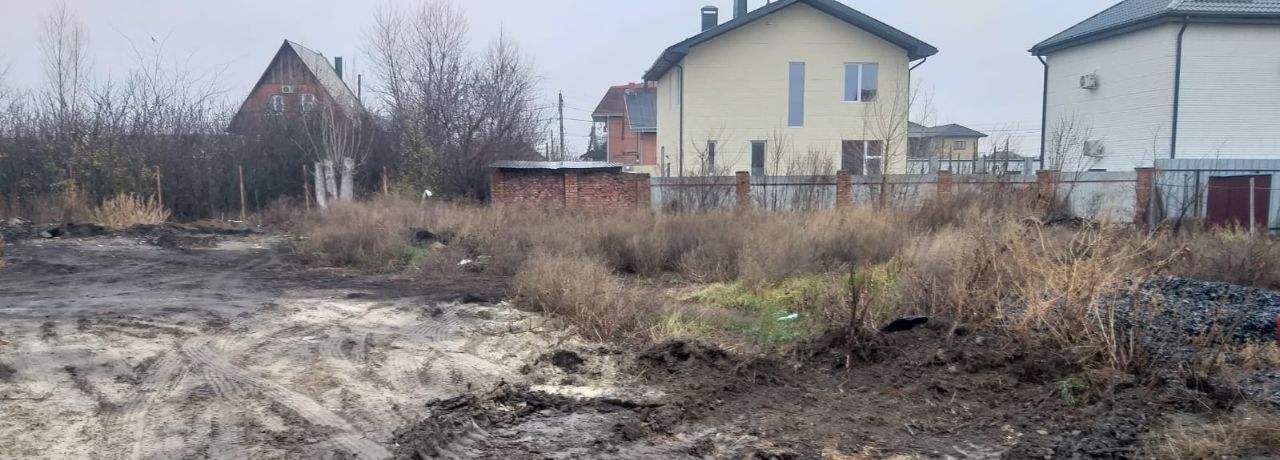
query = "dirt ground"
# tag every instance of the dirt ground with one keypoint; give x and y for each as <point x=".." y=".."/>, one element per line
<point x="111" y="347"/>
<point x="126" y="346"/>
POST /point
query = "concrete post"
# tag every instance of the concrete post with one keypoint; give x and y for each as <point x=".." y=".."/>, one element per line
<point x="1144" y="192"/>
<point x="944" y="184"/>
<point x="844" y="189"/>
<point x="742" y="190"/>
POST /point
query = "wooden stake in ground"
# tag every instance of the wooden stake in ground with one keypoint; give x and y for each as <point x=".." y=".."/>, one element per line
<point x="385" y="189"/>
<point x="159" y="190"/>
<point x="241" y="168"/>
<point x="306" y="188"/>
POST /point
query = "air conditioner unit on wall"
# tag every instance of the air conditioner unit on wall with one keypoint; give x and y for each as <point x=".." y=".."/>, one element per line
<point x="1089" y="81"/>
<point x="1094" y="149"/>
<point x="286" y="89"/>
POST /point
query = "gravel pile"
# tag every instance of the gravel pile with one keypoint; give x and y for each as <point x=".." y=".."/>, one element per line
<point x="1190" y="308"/>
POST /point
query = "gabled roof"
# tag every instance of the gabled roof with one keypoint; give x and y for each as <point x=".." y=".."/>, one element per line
<point x="918" y="131"/>
<point x="642" y="110"/>
<point x="613" y="104"/>
<point x="1131" y="15"/>
<point x="916" y="49"/>
<point x="327" y="76"/>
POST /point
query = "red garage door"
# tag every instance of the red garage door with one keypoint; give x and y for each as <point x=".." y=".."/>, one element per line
<point x="1229" y="201"/>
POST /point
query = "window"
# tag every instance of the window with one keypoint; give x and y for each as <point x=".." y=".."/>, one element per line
<point x="861" y="82"/>
<point x="959" y="145"/>
<point x="275" y="103"/>
<point x="711" y="158"/>
<point x="862" y="157"/>
<point x="795" y="96"/>
<point x="308" y="101"/>
<point x="757" y="158"/>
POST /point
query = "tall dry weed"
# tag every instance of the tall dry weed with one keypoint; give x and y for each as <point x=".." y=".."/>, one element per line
<point x="584" y="292"/>
<point x="127" y="210"/>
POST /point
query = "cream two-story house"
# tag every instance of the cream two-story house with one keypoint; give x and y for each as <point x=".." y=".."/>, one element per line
<point x="1147" y="81"/>
<point x="785" y="88"/>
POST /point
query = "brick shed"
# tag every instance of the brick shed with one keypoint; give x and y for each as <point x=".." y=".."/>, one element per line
<point x="572" y="184"/>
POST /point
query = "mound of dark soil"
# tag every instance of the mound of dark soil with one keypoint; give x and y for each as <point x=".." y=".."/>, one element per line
<point x="456" y="423"/>
<point x="675" y="354"/>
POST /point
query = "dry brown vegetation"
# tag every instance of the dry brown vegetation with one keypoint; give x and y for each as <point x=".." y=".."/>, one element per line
<point x="1237" y="435"/>
<point x="980" y="261"/>
<point x="127" y="210"/>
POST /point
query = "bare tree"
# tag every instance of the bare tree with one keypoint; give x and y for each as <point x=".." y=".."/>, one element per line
<point x="885" y="122"/>
<point x="453" y="111"/>
<point x="64" y="43"/>
<point x="339" y="143"/>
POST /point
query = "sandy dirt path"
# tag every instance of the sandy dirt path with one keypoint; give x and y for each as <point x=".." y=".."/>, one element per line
<point x="110" y="348"/>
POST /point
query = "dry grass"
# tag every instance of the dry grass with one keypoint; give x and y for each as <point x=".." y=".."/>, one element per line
<point x="586" y="293"/>
<point x="1228" y="256"/>
<point x="46" y="209"/>
<point x="1240" y="434"/>
<point x="127" y="210"/>
<point x="965" y="259"/>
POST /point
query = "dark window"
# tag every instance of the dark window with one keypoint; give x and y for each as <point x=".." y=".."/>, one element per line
<point x="862" y="157"/>
<point x="711" y="158"/>
<point x="757" y="158"/>
<point x="861" y="82"/>
<point x="795" y="96"/>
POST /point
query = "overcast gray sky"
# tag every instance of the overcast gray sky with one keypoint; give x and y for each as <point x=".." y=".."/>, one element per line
<point x="982" y="77"/>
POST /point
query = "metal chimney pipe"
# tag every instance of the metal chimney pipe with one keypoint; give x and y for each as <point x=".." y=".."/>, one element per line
<point x="739" y="8"/>
<point x="710" y="17"/>
<point x="337" y="66"/>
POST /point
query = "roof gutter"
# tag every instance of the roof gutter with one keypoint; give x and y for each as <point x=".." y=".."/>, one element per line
<point x="1044" y="108"/>
<point x="1177" y="90"/>
<point x="680" y="100"/>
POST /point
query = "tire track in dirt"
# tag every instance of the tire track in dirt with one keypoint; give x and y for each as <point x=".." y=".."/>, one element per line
<point x="345" y="436"/>
<point x="161" y="379"/>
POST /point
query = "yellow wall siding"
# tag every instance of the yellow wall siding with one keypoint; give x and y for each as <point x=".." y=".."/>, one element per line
<point x="736" y="89"/>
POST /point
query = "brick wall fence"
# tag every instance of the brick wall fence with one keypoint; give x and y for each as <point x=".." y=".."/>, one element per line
<point x="577" y="189"/>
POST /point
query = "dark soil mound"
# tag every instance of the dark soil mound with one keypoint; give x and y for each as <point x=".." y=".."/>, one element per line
<point x="675" y="354"/>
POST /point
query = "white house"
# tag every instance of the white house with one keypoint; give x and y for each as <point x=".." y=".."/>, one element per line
<point x="1147" y="80"/>
<point x="794" y="83"/>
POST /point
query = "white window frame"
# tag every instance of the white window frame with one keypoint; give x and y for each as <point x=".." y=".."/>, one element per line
<point x="866" y="156"/>
<point x="309" y="101"/>
<point x="276" y="103"/>
<point x="858" y="94"/>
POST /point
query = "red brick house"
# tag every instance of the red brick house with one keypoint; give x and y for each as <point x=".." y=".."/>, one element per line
<point x="297" y="80"/>
<point x="629" y="114"/>
<point x="593" y="185"/>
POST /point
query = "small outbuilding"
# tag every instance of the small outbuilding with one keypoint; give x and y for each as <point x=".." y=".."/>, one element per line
<point x="569" y="184"/>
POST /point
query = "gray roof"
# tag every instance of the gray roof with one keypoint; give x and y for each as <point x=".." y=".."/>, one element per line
<point x="916" y="49"/>
<point x="642" y="110"/>
<point x="1130" y="15"/>
<point x="556" y="165"/>
<point x="918" y="131"/>
<point x="328" y="77"/>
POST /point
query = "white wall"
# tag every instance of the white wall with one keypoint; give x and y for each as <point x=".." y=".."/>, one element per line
<point x="1230" y="104"/>
<point x="1130" y="111"/>
<point x="736" y="91"/>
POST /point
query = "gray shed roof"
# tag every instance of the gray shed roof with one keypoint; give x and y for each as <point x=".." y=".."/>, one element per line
<point x="556" y="165"/>
<point x="1131" y="15"/>
<point x="642" y="110"/>
<point x="916" y="49"/>
<point x="916" y="130"/>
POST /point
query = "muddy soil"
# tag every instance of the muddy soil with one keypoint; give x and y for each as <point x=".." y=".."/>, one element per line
<point x="116" y="347"/>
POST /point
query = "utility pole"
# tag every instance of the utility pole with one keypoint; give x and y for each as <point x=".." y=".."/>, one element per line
<point x="562" y="150"/>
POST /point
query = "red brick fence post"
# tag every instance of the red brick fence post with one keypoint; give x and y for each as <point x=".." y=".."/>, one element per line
<point x="570" y="190"/>
<point x="642" y="191"/>
<point x="844" y="189"/>
<point x="1144" y="188"/>
<point x="742" y="191"/>
<point x="944" y="184"/>
<point x="1046" y="185"/>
